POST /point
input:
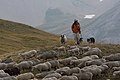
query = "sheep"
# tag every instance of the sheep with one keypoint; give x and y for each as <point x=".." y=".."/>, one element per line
<point x="72" y="47"/>
<point x="84" y="76"/>
<point x="84" y="49"/>
<point x="11" y="64"/>
<point x="94" y="56"/>
<point x="51" y="78"/>
<point x="7" y="60"/>
<point x="97" y="62"/>
<point x="29" y="54"/>
<point x="74" y="51"/>
<point x="35" y="61"/>
<point x="9" y="78"/>
<point x="4" y="75"/>
<point x="43" y="74"/>
<point x="64" y="71"/>
<point x="2" y="71"/>
<point x="116" y="68"/>
<point x="75" y="70"/>
<point x="93" y="69"/>
<point x="3" y="66"/>
<point x="111" y="64"/>
<point x="48" y="55"/>
<point x="113" y="57"/>
<point x="116" y="73"/>
<point x="68" y="78"/>
<point x="78" y="61"/>
<point x="54" y="64"/>
<point x="61" y="48"/>
<point x="42" y="66"/>
<point x="103" y="67"/>
<point x="93" y="51"/>
<point x="82" y="64"/>
<point x="25" y="76"/>
<point x="67" y="61"/>
<point x="24" y="65"/>
<point x="63" y="39"/>
<point x="57" y="75"/>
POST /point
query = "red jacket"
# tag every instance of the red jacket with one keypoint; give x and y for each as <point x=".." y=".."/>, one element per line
<point x="76" y="28"/>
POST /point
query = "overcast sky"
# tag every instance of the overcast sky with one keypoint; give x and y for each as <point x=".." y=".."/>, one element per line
<point x="32" y="12"/>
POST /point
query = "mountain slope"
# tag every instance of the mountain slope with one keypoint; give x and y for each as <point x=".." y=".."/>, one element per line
<point x="106" y="27"/>
<point x="33" y="11"/>
<point x="16" y="36"/>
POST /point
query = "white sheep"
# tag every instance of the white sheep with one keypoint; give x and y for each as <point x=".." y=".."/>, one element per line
<point x="57" y="75"/>
<point x="84" y="49"/>
<point x="75" y="70"/>
<point x="74" y="51"/>
<point x="43" y="74"/>
<point x="61" y="48"/>
<point x="94" y="56"/>
<point x="11" y="65"/>
<point x="63" y="39"/>
<point x="113" y="57"/>
<point x="2" y="71"/>
<point x="72" y="47"/>
<point x="64" y="71"/>
<point x="25" y="76"/>
<point x="78" y="61"/>
<point x="84" y="76"/>
<point x="35" y="61"/>
<point x="52" y="78"/>
<point x="29" y="54"/>
<point x="103" y="67"/>
<point x="111" y="64"/>
<point x="4" y="75"/>
<point x="97" y="62"/>
<point x="3" y="66"/>
<point x="9" y="78"/>
<point x="48" y="55"/>
<point x="67" y="61"/>
<point x="68" y="78"/>
<point x="116" y="68"/>
<point x="24" y="65"/>
<point x="54" y="64"/>
<point x="93" y="51"/>
<point x="42" y="66"/>
<point x="116" y="73"/>
<point x="93" y="69"/>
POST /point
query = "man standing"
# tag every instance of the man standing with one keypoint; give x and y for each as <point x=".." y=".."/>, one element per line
<point x="76" y="31"/>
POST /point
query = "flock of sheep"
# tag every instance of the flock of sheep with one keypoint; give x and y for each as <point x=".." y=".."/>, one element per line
<point x="81" y="63"/>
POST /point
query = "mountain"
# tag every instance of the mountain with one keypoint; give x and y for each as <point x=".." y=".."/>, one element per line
<point x="16" y="37"/>
<point x="106" y="28"/>
<point x="62" y="17"/>
<point x="32" y="12"/>
<point x="58" y="22"/>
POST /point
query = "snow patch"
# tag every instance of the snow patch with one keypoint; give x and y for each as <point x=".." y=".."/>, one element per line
<point x="89" y="16"/>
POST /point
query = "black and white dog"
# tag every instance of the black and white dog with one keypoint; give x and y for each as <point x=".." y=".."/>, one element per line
<point x="91" y="40"/>
<point x="63" y="39"/>
<point x="81" y="40"/>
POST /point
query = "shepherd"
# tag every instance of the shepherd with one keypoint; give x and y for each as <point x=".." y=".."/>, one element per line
<point x="76" y="31"/>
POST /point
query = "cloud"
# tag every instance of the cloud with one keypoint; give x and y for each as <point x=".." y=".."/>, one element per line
<point x="89" y="16"/>
<point x="100" y="0"/>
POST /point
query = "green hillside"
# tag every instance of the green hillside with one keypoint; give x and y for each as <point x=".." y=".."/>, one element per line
<point x="17" y="36"/>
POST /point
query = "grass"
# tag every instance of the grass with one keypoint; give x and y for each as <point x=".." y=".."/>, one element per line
<point x="17" y="37"/>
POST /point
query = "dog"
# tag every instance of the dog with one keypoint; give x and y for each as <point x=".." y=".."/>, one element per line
<point x="81" y="40"/>
<point x="91" y="40"/>
<point x="63" y="39"/>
